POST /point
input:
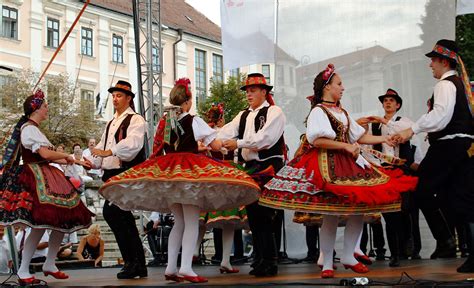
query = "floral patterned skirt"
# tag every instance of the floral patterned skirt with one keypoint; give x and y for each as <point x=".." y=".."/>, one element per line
<point x="236" y="217"/>
<point x="330" y="182"/>
<point x="40" y="196"/>
<point x="181" y="178"/>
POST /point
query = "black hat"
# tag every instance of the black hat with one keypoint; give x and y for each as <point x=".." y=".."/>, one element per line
<point x="122" y="86"/>
<point x="392" y="93"/>
<point x="444" y="48"/>
<point x="256" y="79"/>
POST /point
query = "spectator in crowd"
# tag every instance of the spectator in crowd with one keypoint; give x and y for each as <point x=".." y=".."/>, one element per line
<point x="39" y="256"/>
<point x="92" y="246"/>
<point x="94" y="173"/>
<point x="65" y="251"/>
<point x="5" y="256"/>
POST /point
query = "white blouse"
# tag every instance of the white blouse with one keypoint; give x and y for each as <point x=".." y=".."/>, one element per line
<point x="318" y="125"/>
<point x="202" y="131"/>
<point x="33" y="139"/>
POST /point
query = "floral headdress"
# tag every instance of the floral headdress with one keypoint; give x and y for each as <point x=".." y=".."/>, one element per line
<point x="186" y="83"/>
<point x="37" y="101"/>
<point x="328" y="73"/>
<point x="216" y="112"/>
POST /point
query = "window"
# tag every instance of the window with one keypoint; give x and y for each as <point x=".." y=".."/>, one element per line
<point x="235" y="72"/>
<point x="87" y="100"/>
<point x="86" y="41"/>
<point x="266" y="72"/>
<point x="217" y="70"/>
<point x="156" y="60"/>
<point x="280" y="74"/>
<point x="117" y="48"/>
<point x="292" y="76"/>
<point x="356" y="103"/>
<point x="200" y="75"/>
<point x="52" y="37"/>
<point x="9" y="22"/>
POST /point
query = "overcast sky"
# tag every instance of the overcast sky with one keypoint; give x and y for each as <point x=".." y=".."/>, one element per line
<point x="321" y="29"/>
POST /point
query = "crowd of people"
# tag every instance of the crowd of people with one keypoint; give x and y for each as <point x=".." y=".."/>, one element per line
<point x="345" y="172"/>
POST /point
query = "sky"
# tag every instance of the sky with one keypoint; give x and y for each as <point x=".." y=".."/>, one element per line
<point x="210" y="8"/>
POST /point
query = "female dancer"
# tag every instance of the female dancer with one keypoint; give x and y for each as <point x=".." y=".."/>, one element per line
<point x="36" y="193"/>
<point x="332" y="178"/>
<point x="228" y="220"/>
<point x="182" y="182"/>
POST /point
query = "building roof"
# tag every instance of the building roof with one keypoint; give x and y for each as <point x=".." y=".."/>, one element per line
<point x="176" y="14"/>
<point x="346" y="61"/>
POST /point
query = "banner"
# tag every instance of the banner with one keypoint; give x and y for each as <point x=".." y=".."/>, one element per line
<point x="248" y="32"/>
<point x="464" y="7"/>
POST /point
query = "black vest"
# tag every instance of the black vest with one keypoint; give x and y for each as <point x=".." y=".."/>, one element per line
<point x="462" y="121"/>
<point x="185" y="142"/>
<point x="406" y="150"/>
<point x="260" y="120"/>
<point x="122" y="134"/>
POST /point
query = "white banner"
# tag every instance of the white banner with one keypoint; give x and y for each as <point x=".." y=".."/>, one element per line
<point x="464" y="7"/>
<point x="248" y="32"/>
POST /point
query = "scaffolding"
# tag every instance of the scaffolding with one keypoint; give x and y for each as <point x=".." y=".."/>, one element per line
<point x="148" y="51"/>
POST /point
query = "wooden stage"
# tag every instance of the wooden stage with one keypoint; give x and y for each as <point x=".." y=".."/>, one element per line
<point x="425" y="272"/>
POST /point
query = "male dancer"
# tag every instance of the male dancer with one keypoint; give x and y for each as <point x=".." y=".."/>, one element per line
<point x="446" y="173"/>
<point x="257" y="133"/>
<point x="122" y="147"/>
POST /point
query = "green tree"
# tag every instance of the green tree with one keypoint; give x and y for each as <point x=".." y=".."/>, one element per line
<point x="465" y="40"/>
<point x="70" y="118"/>
<point x="228" y="93"/>
<point x="437" y="22"/>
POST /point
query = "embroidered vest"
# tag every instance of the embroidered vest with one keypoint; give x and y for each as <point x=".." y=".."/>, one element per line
<point x="185" y="142"/>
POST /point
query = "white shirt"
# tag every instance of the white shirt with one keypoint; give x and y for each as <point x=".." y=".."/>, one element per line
<point x="201" y="130"/>
<point x="127" y="149"/>
<point x="5" y="254"/>
<point x="394" y="127"/>
<point x="252" y="141"/>
<point x="318" y="126"/>
<point x="44" y="238"/>
<point x="86" y="154"/>
<point x="154" y="216"/>
<point x="33" y="139"/>
<point x="443" y="109"/>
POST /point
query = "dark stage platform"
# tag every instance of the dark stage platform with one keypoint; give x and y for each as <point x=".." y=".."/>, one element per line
<point x="419" y="272"/>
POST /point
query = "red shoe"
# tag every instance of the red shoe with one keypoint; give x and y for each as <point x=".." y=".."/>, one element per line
<point x="194" y="279"/>
<point x="28" y="281"/>
<point x="58" y="274"/>
<point x="358" y="268"/>
<point x="362" y="258"/>
<point x="333" y="267"/>
<point x="174" y="278"/>
<point x="327" y="274"/>
<point x="227" y="270"/>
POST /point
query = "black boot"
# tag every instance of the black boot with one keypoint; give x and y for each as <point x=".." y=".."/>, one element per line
<point x="133" y="270"/>
<point x="394" y="261"/>
<point x="269" y="265"/>
<point x="468" y="265"/>
<point x="445" y="244"/>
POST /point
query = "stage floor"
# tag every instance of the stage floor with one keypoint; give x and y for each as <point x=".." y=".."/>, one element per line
<point x="426" y="272"/>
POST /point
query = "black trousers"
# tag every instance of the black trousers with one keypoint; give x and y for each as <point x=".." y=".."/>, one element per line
<point x="238" y="243"/>
<point x="312" y="235"/>
<point x="124" y="228"/>
<point x="265" y="223"/>
<point x="378" y="238"/>
<point x="445" y="182"/>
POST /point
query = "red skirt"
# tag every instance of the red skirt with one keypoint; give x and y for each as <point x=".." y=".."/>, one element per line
<point x="56" y="204"/>
<point x="181" y="178"/>
<point x="330" y="182"/>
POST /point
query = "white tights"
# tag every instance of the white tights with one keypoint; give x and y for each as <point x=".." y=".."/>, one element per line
<point x="185" y="234"/>
<point x="31" y="243"/>
<point x="328" y="238"/>
<point x="227" y="241"/>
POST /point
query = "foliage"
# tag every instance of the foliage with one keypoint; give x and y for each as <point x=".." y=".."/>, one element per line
<point x="228" y="93"/>
<point x="465" y="40"/>
<point x="435" y="23"/>
<point x="70" y="119"/>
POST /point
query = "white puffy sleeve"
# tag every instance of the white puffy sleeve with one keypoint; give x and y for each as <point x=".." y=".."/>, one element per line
<point x="355" y="130"/>
<point x="33" y="139"/>
<point x="202" y="131"/>
<point x="318" y="126"/>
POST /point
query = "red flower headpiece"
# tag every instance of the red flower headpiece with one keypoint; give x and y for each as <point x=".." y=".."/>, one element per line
<point x="38" y="100"/>
<point x="184" y="82"/>
<point x="216" y="112"/>
<point x="328" y="73"/>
